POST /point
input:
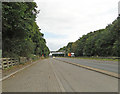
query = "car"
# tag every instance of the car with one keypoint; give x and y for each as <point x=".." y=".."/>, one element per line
<point x="53" y="56"/>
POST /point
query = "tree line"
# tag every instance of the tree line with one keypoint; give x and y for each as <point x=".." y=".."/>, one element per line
<point x="103" y="42"/>
<point x="21" y="36"/>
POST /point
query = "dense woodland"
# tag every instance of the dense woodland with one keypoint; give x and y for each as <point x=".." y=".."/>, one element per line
<point x="21" y="36"/>
<point x="103" y="42"/>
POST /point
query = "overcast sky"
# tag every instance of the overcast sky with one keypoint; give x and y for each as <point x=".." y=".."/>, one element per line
<point x="64" y="21"/>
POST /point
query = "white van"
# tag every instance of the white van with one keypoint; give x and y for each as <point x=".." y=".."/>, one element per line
<point x="72" y="55"/>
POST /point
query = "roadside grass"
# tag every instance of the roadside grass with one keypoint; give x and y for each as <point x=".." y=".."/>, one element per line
<point x="96" y="58"/>
<point x="105" y="59"/>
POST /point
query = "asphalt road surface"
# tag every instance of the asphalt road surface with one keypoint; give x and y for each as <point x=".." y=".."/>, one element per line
<point x="111" y="66"/>
<point x="50" y="75"/>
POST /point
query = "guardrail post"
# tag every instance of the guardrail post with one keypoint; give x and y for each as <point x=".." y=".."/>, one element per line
<point x="7" y="62"/>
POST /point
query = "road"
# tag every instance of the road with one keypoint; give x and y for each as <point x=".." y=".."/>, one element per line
<point x="111" y="66"/>
<point x="50" y="75"/>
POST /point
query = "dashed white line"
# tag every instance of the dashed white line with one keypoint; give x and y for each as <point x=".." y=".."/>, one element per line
<point x="59" y="82"/>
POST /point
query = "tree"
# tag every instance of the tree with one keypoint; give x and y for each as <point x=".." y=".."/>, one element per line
<point x="21" y="35"/>
<point x="103" y="42"/>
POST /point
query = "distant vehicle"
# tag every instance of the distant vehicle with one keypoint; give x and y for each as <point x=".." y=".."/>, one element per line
<point x="69" y="54"/>
<point x="53" y="56"/>
<point x="72" y="55"/>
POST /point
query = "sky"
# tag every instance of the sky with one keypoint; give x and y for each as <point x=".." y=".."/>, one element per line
<point x="64" y="21"/>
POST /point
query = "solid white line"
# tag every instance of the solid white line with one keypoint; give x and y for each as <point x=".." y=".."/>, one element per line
<point x="16" y="72"/>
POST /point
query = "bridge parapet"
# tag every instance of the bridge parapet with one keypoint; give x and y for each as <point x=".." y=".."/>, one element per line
<point x="55" y="53"/>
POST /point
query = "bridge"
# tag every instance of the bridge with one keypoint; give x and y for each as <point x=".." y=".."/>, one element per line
<point x="55" y="53"/>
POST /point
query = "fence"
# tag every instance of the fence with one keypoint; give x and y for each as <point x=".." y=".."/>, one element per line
<point x="8" y="62"/>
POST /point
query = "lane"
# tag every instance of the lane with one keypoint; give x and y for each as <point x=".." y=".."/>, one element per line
<point x="76" y="79"/>
<point x="36" y="78"/>
<point x="111" y="66"/>
<point x="51" y="75"/>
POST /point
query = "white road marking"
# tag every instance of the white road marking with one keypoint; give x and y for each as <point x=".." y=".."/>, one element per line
<point x="59" y="82"/>
<point x="16" y="72"/>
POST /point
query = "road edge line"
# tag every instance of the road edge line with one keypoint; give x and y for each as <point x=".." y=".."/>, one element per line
<point x="4" y="78"/>
<point x="115" y="75"/>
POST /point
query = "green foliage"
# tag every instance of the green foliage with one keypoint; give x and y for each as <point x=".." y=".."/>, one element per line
<point x="103" y="42"/>
<point x="68" y="48"/>
<point x="62" y="49"/>
<point x="21" y="35"/>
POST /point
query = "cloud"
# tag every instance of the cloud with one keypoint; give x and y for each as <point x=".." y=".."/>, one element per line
<point x="64" y="21"/>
